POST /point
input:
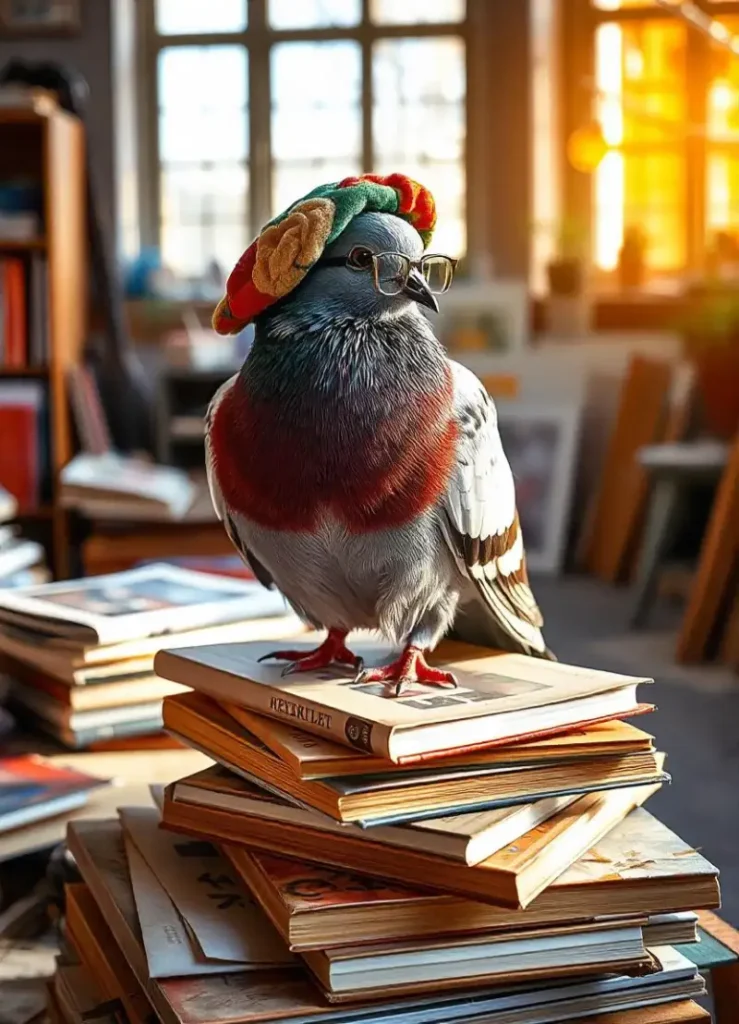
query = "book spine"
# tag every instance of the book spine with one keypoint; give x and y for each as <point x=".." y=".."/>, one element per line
<point x="265" y="700"/>
<point x="313" y="717"/>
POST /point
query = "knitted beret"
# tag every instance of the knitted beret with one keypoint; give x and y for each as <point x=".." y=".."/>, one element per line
<point x="291" y="244"/>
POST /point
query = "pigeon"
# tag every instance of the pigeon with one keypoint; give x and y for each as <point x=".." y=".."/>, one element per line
<point x="353" y="464"/>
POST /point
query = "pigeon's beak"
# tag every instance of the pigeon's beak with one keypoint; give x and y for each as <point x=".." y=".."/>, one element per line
<point x="417" y="289"/>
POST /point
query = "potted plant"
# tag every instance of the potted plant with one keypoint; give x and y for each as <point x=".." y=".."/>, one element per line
<point x="631" y="258"/>
<point x="710" y="331"/>
<point x="566" y="271"/>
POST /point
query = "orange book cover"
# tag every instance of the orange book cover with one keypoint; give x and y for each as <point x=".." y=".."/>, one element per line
<point x="16" y="326"/>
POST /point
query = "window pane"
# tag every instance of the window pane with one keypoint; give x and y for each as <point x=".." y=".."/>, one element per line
<point x="641" y="106"/>
<point x="417" y="12"/>
<point x="202" y="103"/>
<point x="183" y="17"/>
<point x="203" y="152"/>
<point x="722" y="125"/>
<point x="286" y="14"/>
<point x="317" y="128"/>
<point x="620" y="5"/>
<point x="418" y="124"/>
<point x="722" y="114"/>
<point x="203" y="217"/>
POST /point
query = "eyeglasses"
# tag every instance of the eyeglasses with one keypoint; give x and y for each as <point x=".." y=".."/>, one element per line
<point x="391" y="270"/>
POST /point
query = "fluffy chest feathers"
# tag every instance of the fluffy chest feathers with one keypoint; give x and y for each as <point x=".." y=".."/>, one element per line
<point x="353" y="421"/>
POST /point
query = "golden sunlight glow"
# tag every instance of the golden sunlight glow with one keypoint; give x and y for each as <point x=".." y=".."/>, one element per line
<point x="722" y="127"/>
<point x="641" y="105"/>
<point x="586" y="147"/>
<point x="609" y="176"/>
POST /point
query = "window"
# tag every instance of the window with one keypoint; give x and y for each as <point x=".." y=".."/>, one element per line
<point x="666" y="99"/>
<point x="258" y="102"/>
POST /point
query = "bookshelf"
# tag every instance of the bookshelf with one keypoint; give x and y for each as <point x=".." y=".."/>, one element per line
<point x="44" y="146"/>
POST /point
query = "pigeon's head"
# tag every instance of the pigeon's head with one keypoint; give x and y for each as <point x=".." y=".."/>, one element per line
<point x="370" y="270"/>
<point x="348" y="249"/>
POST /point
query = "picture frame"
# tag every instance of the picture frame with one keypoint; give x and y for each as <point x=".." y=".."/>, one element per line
<point x="541" y="444"/>
<point x="40" y="17"/>
<point x="490" y="316"/>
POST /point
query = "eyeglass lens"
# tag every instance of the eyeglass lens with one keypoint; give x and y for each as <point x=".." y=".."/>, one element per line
<point x="438" y="272"/>
<point x="392" y="269"/>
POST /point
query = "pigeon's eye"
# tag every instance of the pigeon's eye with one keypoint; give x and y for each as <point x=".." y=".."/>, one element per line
<point x="359" y="258"/>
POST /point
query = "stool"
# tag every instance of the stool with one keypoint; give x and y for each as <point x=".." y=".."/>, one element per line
<point x="672" y="469"/>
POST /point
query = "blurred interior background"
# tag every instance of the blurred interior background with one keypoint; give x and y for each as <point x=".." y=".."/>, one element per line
<point x="584" y="156"/>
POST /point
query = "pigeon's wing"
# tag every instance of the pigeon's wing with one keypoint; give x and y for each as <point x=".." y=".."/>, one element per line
<point x="480" y="520"/>
<point x="216" y="496"/>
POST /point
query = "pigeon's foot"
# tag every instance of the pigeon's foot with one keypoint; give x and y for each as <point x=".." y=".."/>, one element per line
<point x="333" y="651"/>
<point x="410" y="667"/>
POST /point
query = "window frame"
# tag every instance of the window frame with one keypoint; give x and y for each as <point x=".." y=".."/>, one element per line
<point x="258" y="38"/>
<point x="580" y="21"/>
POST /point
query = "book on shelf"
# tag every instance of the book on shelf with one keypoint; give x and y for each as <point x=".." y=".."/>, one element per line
<point x="88" y="413"/>
<point x="13" y="321"/>
<point x="227" y="808"/>
<point x="140" y="603"/>
<point x="639" y="869"/>
<point x="126" y="486"/>
<point x="31" y="789"/>
<point x="109" y="915"/>
<point x="314" y="757"/>
<point x="24" y="313"/>
<point x="394" y="797"/>
<point x="500" y="698"/>
<point x="24" y="444"/>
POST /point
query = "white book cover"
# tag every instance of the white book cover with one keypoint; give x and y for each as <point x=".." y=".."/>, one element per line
<point x="149" y="601"/>
<point x="169" y="952"/>
<point x="226" y="922"/>
<point x="111" y="475"/>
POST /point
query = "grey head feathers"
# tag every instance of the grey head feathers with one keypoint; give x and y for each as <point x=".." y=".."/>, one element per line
<point x="331" y="293"/>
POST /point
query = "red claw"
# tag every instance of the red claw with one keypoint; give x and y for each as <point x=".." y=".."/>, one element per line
<point x="333" y="651"/>
<point x="411" y="667"/>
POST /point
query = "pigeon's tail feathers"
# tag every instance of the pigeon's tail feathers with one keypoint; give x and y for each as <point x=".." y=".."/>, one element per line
<point x="476" y="624"/>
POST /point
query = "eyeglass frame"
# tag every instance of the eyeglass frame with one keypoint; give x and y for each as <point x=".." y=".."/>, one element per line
<point x="344" y="261"/>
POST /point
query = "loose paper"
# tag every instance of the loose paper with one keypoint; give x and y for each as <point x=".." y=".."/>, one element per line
<point x="228" y="924"/>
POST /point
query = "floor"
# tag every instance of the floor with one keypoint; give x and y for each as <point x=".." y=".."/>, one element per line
<point x="696" y="722"/>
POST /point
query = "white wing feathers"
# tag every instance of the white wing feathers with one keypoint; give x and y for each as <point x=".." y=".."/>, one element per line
<point x="482" y="527"/>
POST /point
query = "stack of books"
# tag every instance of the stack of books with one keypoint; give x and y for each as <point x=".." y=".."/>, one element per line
<point x="161" y="927"/>
<point x="480" y="853"/>
<point x="114" y="486"/>
<point x="80" y="654"/>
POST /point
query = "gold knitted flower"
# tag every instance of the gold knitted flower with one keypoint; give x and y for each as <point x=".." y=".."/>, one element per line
<point x="286" y="251"/>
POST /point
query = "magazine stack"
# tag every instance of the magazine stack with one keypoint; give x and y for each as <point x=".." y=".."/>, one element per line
<point x="79" y="654"/>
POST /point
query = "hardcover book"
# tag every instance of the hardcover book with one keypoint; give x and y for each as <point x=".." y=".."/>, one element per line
<point x="314" y="757"/>
<point x="288" y="995"/>
<point x="639" y="868"/>
<point x="232" y="810"/>
<point x="395" y="797"/>
<point x="501" y="698"/>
